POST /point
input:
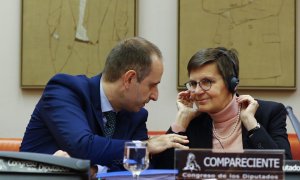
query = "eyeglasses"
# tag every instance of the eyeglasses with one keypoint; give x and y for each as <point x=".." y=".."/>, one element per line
<point x="205" y="84"/>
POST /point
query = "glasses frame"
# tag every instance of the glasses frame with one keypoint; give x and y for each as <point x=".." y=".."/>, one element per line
<point x="199" y="83"/>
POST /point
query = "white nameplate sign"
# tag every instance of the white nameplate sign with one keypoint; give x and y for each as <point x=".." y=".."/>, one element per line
<point x="250" y="164"/>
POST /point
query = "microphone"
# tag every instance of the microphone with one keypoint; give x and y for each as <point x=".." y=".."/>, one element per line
<point x="294" y="120"/>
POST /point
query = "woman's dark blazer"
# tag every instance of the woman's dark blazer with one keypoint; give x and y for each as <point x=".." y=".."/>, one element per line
<point x="272" y="134"/>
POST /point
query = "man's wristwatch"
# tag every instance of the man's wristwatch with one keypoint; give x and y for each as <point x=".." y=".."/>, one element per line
<point x="251" y="131"/>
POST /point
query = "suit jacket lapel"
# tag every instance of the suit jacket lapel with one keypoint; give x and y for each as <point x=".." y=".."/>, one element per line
<point x="208" y="142"/>
<point x="95" y="99"/>
<point x="122" y="125"/>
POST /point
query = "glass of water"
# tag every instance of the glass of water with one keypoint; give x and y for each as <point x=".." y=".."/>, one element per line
<point x="136" y="157"/>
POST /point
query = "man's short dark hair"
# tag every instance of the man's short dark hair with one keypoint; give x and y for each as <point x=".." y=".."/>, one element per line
<point x="130" y="54"/>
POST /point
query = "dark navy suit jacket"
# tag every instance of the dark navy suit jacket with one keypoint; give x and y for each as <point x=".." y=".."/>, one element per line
<point x="68" y="117"/>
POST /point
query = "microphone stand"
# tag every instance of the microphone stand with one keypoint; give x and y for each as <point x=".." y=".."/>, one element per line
<point x="294" y="120"/>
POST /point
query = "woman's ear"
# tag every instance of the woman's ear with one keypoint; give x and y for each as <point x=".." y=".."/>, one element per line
<point x="128" y="77"/>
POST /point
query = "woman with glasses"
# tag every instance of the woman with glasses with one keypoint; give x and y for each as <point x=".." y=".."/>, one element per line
<point x="214" y="116"/>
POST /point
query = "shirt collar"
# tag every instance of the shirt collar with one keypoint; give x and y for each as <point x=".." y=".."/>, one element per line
<point x="105" y="104"/>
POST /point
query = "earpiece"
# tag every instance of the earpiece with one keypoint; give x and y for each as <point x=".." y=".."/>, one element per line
<point x="234" y="80"/>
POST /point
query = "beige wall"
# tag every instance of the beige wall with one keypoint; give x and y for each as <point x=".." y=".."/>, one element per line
<point x="157" y="22"/>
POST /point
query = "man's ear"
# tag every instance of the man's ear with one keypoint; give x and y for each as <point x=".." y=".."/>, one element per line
<point x="129" y="77"/>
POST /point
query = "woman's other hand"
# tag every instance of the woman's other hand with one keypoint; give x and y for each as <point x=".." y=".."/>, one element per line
<point x="186" y="111"/>
<point x="248" y="109"/>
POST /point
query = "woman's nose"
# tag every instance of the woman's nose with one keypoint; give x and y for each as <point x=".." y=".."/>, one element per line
<point x="198" y="90"/>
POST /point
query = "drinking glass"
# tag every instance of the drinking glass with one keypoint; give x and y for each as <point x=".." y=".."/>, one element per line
<point x="136" y="157"/>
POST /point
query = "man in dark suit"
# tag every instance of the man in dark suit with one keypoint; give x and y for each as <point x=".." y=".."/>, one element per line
<point x="70" y="115"/>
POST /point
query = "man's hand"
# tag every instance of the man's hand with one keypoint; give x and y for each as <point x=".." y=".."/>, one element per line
<point x="157" y="144"/>
<point x="93" y="169"/>
<point x="61" y="153"/>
